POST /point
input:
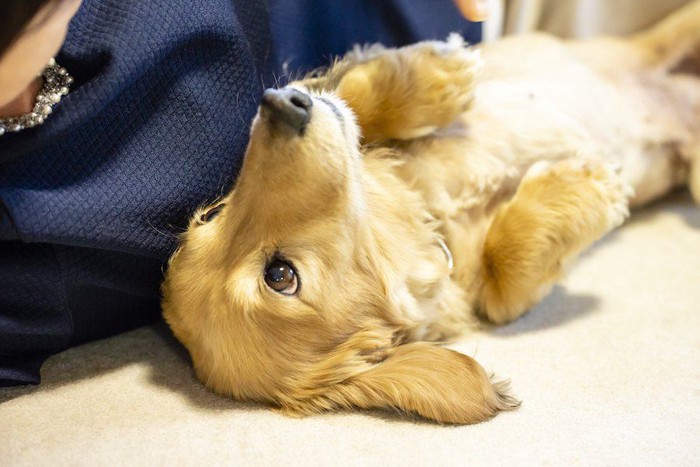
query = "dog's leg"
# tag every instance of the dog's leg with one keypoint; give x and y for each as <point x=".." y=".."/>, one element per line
<point x="406" y="93"/>
<point x="673" y="45"/>
<point x="557" y="211"/>
<point x="675" y="41"/>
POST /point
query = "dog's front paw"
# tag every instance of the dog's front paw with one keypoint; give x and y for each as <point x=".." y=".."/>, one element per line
<point x="442" y="76"/>
<point x="410" y="92"/>
<point x="448" y="73"/>
<point x="559" y="209"/>
<point x="613" y="193"/>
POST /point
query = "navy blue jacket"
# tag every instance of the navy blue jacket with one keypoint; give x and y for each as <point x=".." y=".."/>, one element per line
<point x="156" y="123"/>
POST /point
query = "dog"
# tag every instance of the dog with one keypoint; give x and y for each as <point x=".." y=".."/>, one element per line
<point x="401" y="196"/>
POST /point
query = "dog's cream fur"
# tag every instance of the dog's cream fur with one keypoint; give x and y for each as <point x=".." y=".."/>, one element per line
<point x="519" y="155"/>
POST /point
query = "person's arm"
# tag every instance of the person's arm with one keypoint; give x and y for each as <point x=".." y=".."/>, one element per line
<point x="473" y="10"/>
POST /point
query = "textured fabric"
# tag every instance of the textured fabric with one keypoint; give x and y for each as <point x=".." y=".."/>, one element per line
<point x="308" y="33"/>
<point x="156" y="124"/>
<point x="607" y="368"/>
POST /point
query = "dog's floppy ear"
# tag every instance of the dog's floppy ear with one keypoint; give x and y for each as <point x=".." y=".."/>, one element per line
<point x="421" y="378"/>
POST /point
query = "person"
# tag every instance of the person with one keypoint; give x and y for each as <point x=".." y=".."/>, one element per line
<point x="142" y="116"/>
<point x="27" y="54"/>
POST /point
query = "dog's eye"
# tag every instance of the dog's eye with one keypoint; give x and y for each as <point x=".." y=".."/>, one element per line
<point x="211" y="213"/>
<point x="281" y="277"/>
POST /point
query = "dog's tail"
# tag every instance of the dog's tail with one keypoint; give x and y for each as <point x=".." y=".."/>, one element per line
<point x="674" y="43"/>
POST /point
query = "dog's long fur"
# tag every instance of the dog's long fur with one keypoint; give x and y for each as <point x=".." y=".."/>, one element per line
<point x="518" y="155"/>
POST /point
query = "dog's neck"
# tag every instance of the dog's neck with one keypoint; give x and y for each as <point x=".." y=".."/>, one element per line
<point x="409" y="244"/>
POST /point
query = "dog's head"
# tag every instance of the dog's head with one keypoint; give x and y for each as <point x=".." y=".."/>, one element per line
<point x="294" y="289"/>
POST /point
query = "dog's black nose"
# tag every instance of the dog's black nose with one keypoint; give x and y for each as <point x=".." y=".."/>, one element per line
<point x="288" y="106"/>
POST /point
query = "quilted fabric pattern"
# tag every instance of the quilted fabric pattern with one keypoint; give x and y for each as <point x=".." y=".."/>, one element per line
<point x="152" y="119"/>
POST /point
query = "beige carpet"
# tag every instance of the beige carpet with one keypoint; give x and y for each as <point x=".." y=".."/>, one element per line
<point x="608" y="369"/>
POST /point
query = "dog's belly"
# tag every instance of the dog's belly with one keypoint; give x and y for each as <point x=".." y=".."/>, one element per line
<point x="524" y="123"/>
<point x="557" y="102"/>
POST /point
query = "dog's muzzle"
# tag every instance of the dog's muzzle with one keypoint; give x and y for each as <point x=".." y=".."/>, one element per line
<point x="289" y="107"/>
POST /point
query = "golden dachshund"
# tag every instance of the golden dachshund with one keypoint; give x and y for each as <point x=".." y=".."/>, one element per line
<point x="402" y="195"/>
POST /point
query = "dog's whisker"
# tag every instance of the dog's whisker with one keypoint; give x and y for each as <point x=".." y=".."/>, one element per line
<point x="162" y="232"/>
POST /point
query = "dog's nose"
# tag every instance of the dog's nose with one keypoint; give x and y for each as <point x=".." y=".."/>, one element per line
<point x="288" y="106"/>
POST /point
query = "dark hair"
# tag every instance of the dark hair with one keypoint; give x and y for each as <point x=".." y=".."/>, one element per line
<point x="14" y="17"/>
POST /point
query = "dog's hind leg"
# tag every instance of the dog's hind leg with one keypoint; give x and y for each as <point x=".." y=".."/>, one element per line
<point x="675" y="41"/>
<point x="673" y="47"/>
<point x="557" y="212"/>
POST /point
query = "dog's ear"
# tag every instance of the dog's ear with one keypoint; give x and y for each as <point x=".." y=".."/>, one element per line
<point x="420" y="378"/>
